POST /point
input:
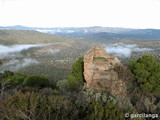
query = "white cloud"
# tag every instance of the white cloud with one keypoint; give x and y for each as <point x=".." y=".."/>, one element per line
<point x="14" y="65"/>
<point x="16" y="60"/>
<point x="14" y="50"/>
<point x="124" y="50"/>
<point x="11" y="51"/>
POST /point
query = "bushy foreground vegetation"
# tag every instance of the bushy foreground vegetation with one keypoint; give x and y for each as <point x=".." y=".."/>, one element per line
<point x="33" y="97"/>
<point x="15" y="79"/>
<point x="10" y="80"/>
<point x="43" y="102"/>
<point x="147" y="73"/>
<point x="38" y="106"/>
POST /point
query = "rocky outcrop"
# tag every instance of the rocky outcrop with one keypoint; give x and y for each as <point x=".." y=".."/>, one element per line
<point x="100" y="74"/>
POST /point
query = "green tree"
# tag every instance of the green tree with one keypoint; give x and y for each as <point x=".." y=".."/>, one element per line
<point x="15" y="79"/>
<point x="76" y="78"/>
<point x="0" y="62"/>
<point x="36" y="81"/>
<point x="104" y="111"/>
<point x="7" y="74"/>
<point x="147" y="73"/>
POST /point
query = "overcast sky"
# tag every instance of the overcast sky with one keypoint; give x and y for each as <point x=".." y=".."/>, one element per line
<point x="81" y="13"/>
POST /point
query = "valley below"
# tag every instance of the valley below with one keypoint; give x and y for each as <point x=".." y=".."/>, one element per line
<point x="53" y="56"/>
<point x="97" y="74"/>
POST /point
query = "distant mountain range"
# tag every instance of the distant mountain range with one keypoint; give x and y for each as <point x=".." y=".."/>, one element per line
<point x="95" y="32"/>
<point x="93" y="29"/>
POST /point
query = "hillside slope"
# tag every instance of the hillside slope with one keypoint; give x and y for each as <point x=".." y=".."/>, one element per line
<point x="27" y="37"/>
<point x="134" y="35"/>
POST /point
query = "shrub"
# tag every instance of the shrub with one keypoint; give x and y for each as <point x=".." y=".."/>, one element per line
<point x="76" y="78"/>
<point x="104" y="111"/>
<point x="0" y="62"/>
<point x="37" y="106"/>
<point x="31" y="106"/>
<point x="15" y="79"/>
<point x="36" y="81"/>
<point x="73" y="83"/>
<point x="147" y="73"/>
<point x="7" y="74"/>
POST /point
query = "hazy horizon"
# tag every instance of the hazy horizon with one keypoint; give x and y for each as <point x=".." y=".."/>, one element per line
<point x="73" y="27"/>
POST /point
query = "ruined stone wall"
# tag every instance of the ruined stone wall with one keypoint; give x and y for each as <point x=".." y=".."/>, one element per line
<point x="100" y="74"/>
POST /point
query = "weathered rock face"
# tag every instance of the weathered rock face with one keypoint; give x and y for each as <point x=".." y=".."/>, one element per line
<point x="99" y="72"/>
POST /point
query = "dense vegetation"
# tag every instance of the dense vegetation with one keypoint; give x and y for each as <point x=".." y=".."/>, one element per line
<point x="34" y="97"/>
<point x="11" y="80"/>
<point x="42" y="103"/>
<point x="39" y="106"/>
<point x="76" y="78"/>
<point x="147" y="73"/>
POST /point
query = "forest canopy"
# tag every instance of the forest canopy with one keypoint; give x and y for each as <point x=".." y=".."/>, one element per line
<point x="147" y="73"/>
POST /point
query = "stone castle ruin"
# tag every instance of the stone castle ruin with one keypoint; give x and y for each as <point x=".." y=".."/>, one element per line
<point x="100" y="74"/>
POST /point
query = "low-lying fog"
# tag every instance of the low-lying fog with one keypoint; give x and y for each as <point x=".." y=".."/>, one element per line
<point x="124" y="50"/>
<point x="14" y="65"/>
<point x="12" y="50"/>
<point x="14" y="60"/>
